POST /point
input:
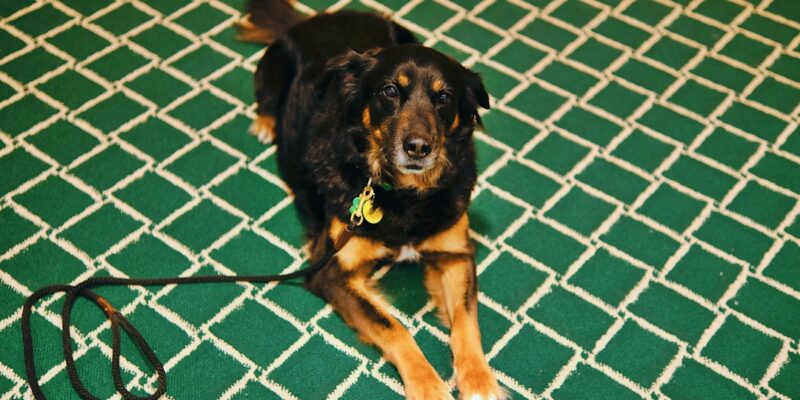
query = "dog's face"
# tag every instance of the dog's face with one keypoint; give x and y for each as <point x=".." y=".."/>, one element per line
<point x="418" y="109"/>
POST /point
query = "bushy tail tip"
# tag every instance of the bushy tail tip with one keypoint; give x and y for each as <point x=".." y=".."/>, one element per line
<point x="266" y="20"/>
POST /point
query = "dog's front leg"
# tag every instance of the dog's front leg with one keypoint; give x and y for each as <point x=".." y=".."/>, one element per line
<point x="451" y="279"/>
<point x="345" y="283"/>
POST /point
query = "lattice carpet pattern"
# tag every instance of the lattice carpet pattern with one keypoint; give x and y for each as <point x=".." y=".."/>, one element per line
<point x="637" y="221"/>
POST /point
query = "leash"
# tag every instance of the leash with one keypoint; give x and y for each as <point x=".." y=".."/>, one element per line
<point x="84" y="289"/>
<point x="361" y="210"/>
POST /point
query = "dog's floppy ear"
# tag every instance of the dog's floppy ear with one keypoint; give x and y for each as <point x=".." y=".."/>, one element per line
<point x="475" y="94"/>
<point x="475" y="88"/>
<point x="342" y="74"/>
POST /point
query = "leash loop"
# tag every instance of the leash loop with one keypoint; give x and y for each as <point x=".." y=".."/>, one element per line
<point x="117" y="321"/>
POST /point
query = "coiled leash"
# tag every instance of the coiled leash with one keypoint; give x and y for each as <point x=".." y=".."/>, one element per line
<point x="362" y="210"/>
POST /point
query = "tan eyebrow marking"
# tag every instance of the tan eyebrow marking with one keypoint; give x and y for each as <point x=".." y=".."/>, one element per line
<point x="437" y="85"/>
<point x="366" y="118"/>
<point x="402" y="79"/>
<point x="455" y="123"/>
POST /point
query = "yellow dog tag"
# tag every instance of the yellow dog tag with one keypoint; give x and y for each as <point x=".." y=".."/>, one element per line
<point x="373" y="215"/>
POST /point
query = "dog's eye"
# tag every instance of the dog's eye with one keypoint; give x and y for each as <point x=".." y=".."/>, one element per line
<point x="442" y="97"/>
<point x="390" y="91"/>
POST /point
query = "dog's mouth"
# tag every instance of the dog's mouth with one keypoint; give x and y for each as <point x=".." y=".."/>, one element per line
<point x="407" y="165"/>
<point x="416" y="173"/>
<point x="412" y="168"/>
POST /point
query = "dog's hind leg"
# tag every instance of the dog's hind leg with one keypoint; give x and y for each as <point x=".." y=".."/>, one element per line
<point x="450" y="277"/>
<point x="274" y="75"/>
<point x="345" y="283"/>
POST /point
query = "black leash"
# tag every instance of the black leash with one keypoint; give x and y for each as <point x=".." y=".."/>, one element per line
<point x="84" y="289"/>
<point x="363" y="209"/>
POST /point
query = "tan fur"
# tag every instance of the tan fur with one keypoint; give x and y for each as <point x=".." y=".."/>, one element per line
<point x="248" y="32"/>
<point x="402" y="80"/>
<point x="358" y="250"/>
<point x="452" y="240"/>
<point x="336" y="227"/>
<point x="425" y="181"/>
<point x="428" y="179"/>
<point x="338" y="234"/>
<point x="375" y="156"/>
<point x="366" y="118"/>
<point x="472" y="371"/>
<point x="263" y="127"/>
<point x="431" y="119"/>
<point x="437" y="85"/>
<point x="433" y="282"/>
<point x="451" y="286"/>
<point x="473" y="375"/>
<point x="357" y="259"/>
<point x="454" y="125"/>
<point x="398" y="346"/>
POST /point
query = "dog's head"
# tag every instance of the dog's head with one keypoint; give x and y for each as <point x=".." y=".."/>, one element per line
<point x="417" y="108"/>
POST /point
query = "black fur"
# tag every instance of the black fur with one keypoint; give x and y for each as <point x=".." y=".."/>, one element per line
<point x="317" y="77"/>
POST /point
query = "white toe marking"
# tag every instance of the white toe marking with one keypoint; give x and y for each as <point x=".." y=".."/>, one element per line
<point x="262" y="134"/>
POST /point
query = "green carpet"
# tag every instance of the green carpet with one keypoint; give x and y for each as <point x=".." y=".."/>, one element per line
<point x="637" y="219"/>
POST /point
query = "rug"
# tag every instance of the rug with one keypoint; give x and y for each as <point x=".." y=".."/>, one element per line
<point x="636" y="220"/>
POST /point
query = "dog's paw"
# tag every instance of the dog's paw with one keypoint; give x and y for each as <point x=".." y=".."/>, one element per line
<point x="263" y="128"/>
<point x="427" y="386"/>
<point x="480" y="384"/>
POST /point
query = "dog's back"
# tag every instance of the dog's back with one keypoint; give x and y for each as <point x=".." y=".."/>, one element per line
<point x="318" y="39"/>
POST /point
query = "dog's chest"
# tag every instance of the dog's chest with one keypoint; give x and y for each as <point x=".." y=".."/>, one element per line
<point x="407" y="253"/>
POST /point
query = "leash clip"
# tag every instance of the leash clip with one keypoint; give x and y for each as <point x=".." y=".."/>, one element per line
<point x="364" y="208"/>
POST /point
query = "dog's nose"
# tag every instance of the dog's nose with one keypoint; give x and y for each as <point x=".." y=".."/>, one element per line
<point x="416" y="147"/>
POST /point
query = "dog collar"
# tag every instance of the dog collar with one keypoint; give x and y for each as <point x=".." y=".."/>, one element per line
<point x="385" y="185"/>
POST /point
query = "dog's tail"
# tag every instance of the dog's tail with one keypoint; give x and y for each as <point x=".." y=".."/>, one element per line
<point x="267" y="19"/>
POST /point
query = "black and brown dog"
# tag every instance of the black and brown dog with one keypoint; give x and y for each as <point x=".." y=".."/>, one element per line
<point x="356" y="105"/>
